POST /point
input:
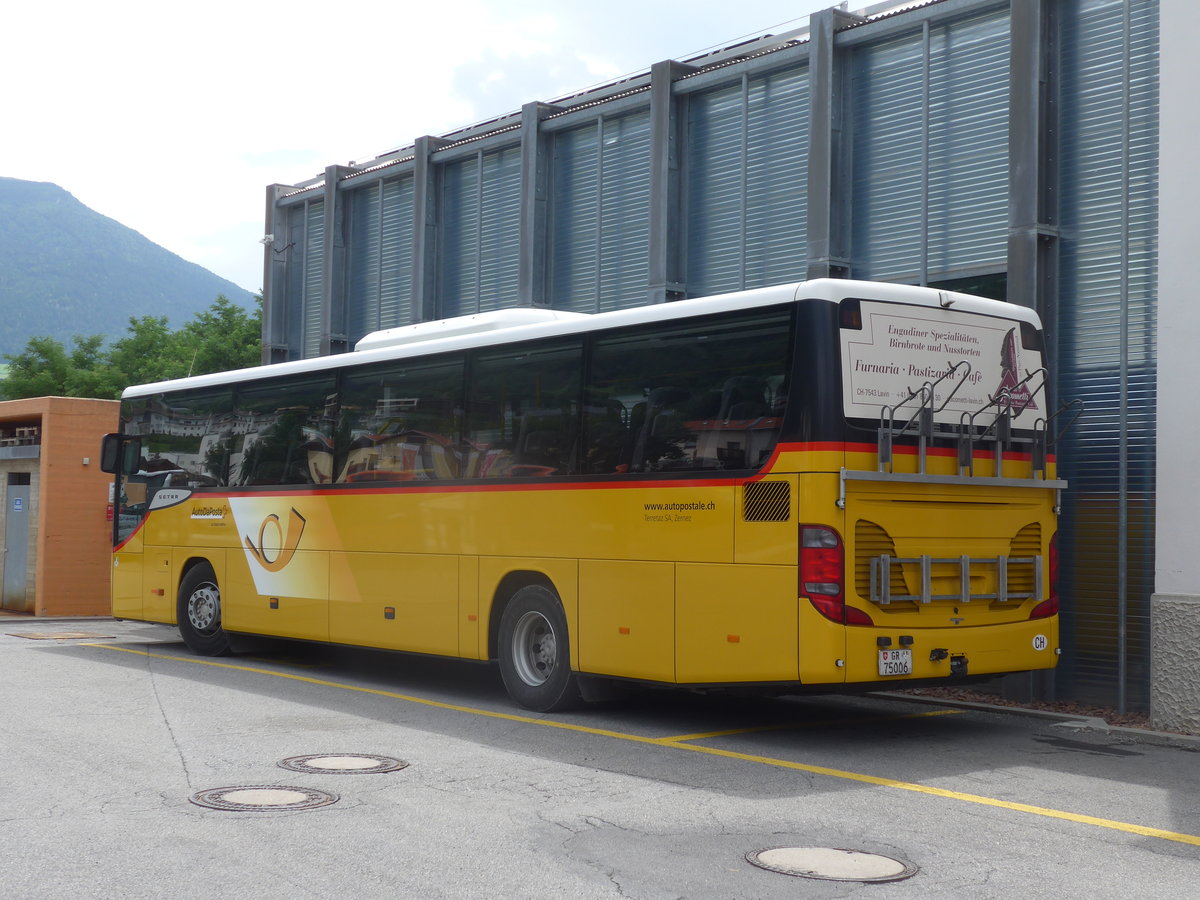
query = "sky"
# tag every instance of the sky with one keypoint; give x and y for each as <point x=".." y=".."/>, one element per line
<point x="173" y="118"/>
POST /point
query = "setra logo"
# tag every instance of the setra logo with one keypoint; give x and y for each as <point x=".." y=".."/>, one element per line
<point x="275" y="547"/>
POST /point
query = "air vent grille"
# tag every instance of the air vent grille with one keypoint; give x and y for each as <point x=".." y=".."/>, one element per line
<point x="767" y="501"/>
<point x="870" y="541"/>
<point x="1027" y="543"/>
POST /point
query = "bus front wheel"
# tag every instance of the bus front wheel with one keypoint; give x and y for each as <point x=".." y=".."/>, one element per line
<point x="199" y="612"/>
<point x="535" y="656"/>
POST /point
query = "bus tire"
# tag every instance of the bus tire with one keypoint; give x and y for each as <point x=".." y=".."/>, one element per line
<point x="534" y="650"/>
<point x="199" y="612"/>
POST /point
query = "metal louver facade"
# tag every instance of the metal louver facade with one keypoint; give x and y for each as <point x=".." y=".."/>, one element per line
<point x="1107" y="328"/>
<point x="600" y="204"/>
<point x="1010" y="140"/>
<point x="747" y="169"/>
<point x="479" y="236"/>
<point x="930" y="185"/>
<point x="379" y="271"/>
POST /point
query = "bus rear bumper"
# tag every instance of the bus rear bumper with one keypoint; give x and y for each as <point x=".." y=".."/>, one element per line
<point x="949" y="654"/>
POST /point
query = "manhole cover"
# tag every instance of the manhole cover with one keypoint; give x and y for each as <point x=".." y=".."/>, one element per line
<point x="828" y="864"/>
<point x="343" y="764"/>
<point x="263" y="797"/>
<point x="60" y="636"/>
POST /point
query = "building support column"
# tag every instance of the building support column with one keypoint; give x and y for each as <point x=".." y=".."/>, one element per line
<point x="334" y="333"/>
<point x="535" y="189"/>
<point x="426" y="216"/>
<point x="274" y="287"/>
<point x="828" y="165"/>
<point x="666" y="276"/>
<point x="1032" y="160"/>
<point x="1032" y="273"/>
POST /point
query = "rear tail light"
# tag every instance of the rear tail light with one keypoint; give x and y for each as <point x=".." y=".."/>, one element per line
<point x="1049" y="606"/>
<point x="823" y="575"/>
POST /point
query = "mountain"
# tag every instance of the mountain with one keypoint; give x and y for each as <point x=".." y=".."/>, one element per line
<point x="66" y="269"/>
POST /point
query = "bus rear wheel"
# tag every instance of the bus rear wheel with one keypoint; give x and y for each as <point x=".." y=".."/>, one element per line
<point x="535" y="655"/>
<point x="199" y="612"/>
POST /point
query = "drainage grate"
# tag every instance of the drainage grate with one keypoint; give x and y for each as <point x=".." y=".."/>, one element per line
<point x="263" y="798"/>
<point x="829" y="864"/>
<point x="343" y="764"/>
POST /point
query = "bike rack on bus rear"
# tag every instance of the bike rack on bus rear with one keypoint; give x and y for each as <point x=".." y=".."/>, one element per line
<point x="970" y="432"/>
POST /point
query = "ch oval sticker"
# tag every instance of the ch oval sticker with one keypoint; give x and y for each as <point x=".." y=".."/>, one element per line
<point x="1040" y="642"/>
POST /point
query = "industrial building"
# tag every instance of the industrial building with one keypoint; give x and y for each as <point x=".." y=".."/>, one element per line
<point x="1008" y="148"/>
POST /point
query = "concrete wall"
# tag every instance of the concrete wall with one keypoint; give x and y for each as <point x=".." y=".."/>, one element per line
<point x="1175" y="692"/>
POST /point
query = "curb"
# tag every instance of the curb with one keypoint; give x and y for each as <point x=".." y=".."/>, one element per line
<point x="25" y="619"/>
<point x="1063" y="720"/>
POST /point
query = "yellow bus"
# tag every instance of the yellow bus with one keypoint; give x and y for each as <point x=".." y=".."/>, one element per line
<point x="828" y="485"/>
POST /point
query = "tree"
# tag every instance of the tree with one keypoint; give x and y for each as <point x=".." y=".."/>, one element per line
<point x="47" y="369"/>
<point x="223" y="337"/>
<point x="150" y="352"/>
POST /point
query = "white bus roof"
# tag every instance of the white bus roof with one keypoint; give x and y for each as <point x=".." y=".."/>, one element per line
<point x="521" y="324"/>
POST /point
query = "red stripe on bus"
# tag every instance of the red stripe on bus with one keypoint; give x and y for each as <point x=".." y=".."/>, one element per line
<point x="862" y="447"/>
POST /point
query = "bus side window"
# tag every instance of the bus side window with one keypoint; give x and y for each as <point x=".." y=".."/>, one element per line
<point x="399" y="421"/>
<point x="744" y="397"/>
<point x="701" y="396"/>
<point x="521" y="419"/>
<point x="662" y="437"/>
<point x="186" y="441"/>
<point x="287" y="425"/>
<point x="607" y="446"/>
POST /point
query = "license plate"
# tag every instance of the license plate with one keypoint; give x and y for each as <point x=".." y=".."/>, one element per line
<point x="895" y="662"/>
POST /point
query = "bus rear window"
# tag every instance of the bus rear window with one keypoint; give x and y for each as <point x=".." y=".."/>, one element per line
<point x="965" y="360"/>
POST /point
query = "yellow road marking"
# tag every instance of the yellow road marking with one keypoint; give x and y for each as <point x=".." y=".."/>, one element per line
<point x="699" y="736"/>
<point x="679" y="743"/>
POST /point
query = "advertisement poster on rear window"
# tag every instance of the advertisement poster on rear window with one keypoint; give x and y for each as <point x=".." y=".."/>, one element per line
<point x="901" y="350"/>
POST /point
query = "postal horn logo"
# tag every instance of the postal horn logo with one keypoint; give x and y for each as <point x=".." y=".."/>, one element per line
<point x="275" y="546"/>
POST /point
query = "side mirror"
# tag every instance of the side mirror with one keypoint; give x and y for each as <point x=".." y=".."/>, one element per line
<point x="120" y="453"/>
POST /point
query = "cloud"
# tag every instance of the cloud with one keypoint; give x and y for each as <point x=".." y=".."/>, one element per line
<point x="173" y="118"/>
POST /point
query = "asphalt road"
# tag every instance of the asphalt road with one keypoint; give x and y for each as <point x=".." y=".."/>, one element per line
<point x="108" y="735"/>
